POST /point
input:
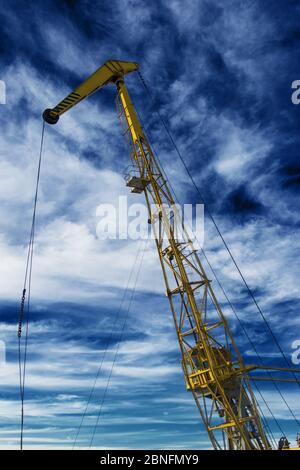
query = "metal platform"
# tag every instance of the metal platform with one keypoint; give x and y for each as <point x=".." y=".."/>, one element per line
<point x="134" y="180"/>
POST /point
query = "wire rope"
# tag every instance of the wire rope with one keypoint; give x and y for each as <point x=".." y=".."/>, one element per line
<point x="25" y="306"/>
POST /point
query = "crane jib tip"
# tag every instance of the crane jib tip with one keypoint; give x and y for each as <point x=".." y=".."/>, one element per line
<point x="49" y="117"/>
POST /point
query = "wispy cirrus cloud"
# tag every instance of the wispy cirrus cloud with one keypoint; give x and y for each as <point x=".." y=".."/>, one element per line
<point x="221" y="82"/>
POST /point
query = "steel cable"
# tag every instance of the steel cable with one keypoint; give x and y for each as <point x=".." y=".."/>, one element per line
<point x="25" y="310"/>
<point x="108" y="342"/>
<point x="118" y="346"/>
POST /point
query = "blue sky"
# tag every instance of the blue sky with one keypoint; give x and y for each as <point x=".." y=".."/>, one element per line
<point x="221" y="74"/>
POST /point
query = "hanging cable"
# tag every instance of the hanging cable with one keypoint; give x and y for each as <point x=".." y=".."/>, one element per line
<point x="25" y="309"/>
<point x="219" y="232"/>
<point x="118" y="346"/>
<point x="108" y="342"/>
<point x="267" y="428"/>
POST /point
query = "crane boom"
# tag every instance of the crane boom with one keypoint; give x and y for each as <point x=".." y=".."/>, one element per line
<point x="212" y="364"/>
<point x="103" y="75"/>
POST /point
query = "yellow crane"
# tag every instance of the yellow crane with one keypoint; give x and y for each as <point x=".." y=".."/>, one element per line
<point x="212" y="364"/>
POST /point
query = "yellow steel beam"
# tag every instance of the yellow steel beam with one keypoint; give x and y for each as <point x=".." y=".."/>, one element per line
<point x="107" y="73"/>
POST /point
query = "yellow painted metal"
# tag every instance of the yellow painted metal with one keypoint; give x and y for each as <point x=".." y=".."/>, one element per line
<point x="214" y="374"/>
<point x="130" y="114"/>
<point x="213" y="367"/>
<point x="104" y="75"/>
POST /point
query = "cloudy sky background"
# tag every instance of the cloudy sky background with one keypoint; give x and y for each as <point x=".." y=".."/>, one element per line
<point x="220" y="73"/>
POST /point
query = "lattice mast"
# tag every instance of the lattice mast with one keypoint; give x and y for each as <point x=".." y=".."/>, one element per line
<point x="212" y="364"/>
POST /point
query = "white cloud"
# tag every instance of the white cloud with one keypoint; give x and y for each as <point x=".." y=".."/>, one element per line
<point x="241" y="151"/>
<point x="70" y="264"/>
